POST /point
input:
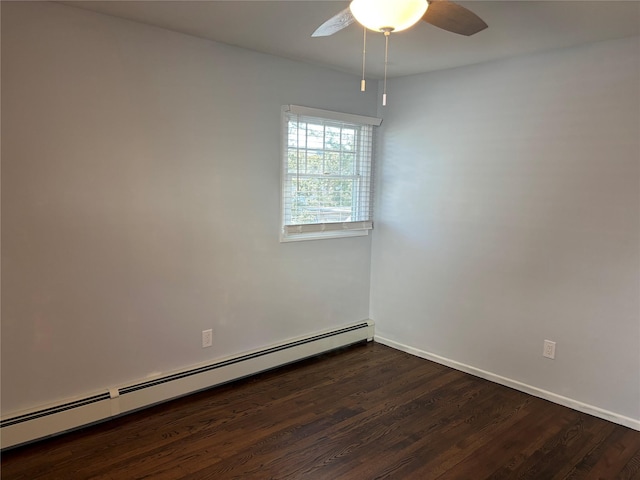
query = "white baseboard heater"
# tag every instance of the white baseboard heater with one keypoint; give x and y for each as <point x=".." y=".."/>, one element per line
<point x="51" y="420"/>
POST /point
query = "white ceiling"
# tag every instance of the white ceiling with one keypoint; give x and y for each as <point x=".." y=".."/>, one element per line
<point x="284" y="28"/>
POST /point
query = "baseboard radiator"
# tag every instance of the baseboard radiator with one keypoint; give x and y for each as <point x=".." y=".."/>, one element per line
<point x="54" y="419"/>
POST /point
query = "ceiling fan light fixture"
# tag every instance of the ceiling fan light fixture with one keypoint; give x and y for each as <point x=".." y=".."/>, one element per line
<point x="391" y="15"/>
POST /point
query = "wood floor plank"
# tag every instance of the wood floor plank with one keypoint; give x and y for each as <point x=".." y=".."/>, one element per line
<point x="322" y="407"/>
<point x="359" y="413"/>
<point x="632" y="469"/>
<point x="357" y="433"/>
<point x="430" y="421"/>
<point x="234" y="407"/>
<point x="526" y="464"/>
<point x="380" y="399"/>
<point x="620" y="454"/>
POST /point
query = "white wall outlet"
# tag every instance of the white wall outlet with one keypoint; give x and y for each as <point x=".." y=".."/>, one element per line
<point x="549" y="349"/>
<point x="207" y="338"/>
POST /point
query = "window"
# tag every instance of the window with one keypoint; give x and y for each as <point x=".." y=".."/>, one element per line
<point x="326" y="174"/>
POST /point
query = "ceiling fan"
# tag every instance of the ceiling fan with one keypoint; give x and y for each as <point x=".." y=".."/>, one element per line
<point x="388" y="16"/>
<point x="379" y="15"/>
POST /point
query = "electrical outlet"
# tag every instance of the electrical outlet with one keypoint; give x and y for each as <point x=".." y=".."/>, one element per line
<point x="207" y="338"/>
<point x="549" y="349"/>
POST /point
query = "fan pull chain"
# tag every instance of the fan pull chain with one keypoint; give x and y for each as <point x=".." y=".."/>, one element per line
<point x="363" y="83"/>
<point x="298" y="154"/>
<point x="387" y="33"/>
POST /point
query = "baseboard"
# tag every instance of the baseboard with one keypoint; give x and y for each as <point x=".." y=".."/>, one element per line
<point x="523" y="387"/>
<point x="24" y="427"/>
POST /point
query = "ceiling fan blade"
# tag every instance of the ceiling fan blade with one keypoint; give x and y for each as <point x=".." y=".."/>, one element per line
<point x="453" y="18"/>
<point x="335" y="24"/>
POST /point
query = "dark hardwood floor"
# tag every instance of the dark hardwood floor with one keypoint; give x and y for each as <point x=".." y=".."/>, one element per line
<point x="360" y="413"/>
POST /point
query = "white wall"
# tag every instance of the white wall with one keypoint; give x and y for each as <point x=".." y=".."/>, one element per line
<point x="508" y="213"/>
<point x="140" y="204"/>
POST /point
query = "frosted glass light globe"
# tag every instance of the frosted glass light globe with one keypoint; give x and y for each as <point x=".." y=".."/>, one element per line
<point x="397" y="15"/>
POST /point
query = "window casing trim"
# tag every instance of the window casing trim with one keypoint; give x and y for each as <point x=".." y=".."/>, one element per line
<point x="316" y="231"/>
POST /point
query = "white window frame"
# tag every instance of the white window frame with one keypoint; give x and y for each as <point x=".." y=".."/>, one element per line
<point x="317" y="231"/>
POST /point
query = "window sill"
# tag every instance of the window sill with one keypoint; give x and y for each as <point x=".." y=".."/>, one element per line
<point x="300" y="237"/>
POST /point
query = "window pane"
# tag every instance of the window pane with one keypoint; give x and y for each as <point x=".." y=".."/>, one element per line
<point x="332" y="163"/>
<point x="315" y="136"/>
<point x="315" y="162"/>
<point x="297" y="134"/>
<point x="292" y="160"/>
<point x="332" y="138"/>
<point x="347" y="163"/>
<point x="348" y="139"/>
